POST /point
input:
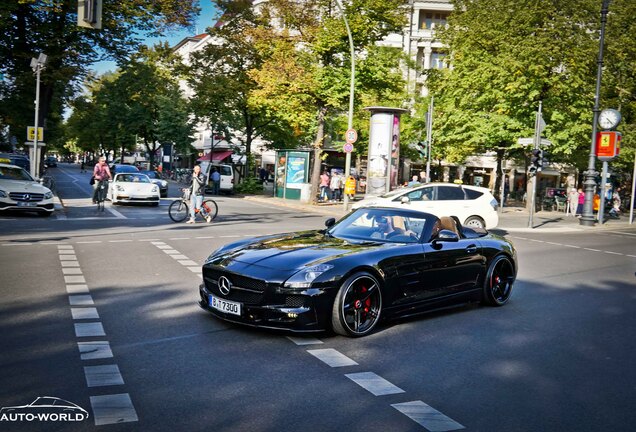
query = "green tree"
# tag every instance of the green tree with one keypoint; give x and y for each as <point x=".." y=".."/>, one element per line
<point x="28" y="27"/>
<point x="504" y="64"/>
<point x="304" y="78"/>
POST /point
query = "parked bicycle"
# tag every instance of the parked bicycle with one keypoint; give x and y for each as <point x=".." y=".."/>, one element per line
<point x="179" y="210"/>
<point x="102" y="190"/>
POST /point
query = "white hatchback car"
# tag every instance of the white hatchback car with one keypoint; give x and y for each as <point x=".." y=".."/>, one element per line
<point x="133" y="188"/>
<point x="474" y="206"/>
<point x="20" y="191"/>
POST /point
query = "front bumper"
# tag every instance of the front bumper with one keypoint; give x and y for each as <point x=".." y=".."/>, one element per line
<point x="137" y="199"/>
<point x="309" y="312"/>
<point x="40" y="206"/>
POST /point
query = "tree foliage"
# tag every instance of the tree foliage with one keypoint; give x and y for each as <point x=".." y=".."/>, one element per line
<point x="30" y="27"/>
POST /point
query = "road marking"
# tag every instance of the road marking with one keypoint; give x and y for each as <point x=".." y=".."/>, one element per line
<point x="195" y="269"/>
<point x="205" y="237"/>
<point x="305" y="341"/>
<point x="77" y="289"/>
<point x="171" y="251"/>
<point x="178" y="257"/>
<point x="84" y="313"/>
<point x="94" y="350"/>
<point x="104" y="375"/>
<point x="68" y="258"/>
<point x="373" y="383"/>
<point x="89" y="329"/>
<point x="180" y="238"/>
<point x="66" y="252"/>
<point x="332" y="357"/>
<point x="157" y="243"/>
<point x="187" y="263"/>
<point x="427" y="416"/>
<point x="612" y="253"/>
<point x="593" y="250"/>
<point x="116" y="213"/>
<point x="69" y="263"/>
<point x="60" y="247"/>
<point x="553" y="243"/>
<point x="17" y="244"/>
<point x="74" y="279"/>
<point x="572" y="246"/>
<point x="72" y="271"/>
<point x="623" y="233"/>
<point x="150" y="240"/>
<point x="89" y="242"/>
<point x="536" y="241"/>
<point x="119" y="241"/>
<point x="80" y="300"/>
<point x="229" y="236"/>
<point x="111" y="409"/>
<point x="163" y="246"/>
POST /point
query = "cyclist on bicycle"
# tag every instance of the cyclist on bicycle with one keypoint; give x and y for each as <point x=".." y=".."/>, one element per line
<point x="101" y="173"/>
<point x="196" y="197"/>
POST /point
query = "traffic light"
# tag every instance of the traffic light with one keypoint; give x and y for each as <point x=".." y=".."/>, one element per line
<point x="536" y="161"/>
<point x="422" y="148"/>
<point x="89" y="13"/>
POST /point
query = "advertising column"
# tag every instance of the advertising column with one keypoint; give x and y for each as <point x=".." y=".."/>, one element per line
<point x="384" y="150"/>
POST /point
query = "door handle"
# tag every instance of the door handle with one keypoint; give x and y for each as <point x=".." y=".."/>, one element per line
<point x="471" y="249"/>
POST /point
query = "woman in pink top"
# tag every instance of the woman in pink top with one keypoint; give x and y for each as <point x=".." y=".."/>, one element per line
<point x="579" y="208"/>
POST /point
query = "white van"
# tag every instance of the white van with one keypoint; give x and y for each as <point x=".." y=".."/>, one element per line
<point x="227" y="176"/>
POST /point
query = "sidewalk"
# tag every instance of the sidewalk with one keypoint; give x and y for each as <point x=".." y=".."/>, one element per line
<point x="510" y="218"/>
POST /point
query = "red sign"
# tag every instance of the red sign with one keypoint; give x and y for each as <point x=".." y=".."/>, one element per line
<point x="348" y="147"/>
<point x="351" y="136"/>
<point x="608" y="145"/>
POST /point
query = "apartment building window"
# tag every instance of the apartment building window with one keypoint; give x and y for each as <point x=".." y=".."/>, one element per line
<point x="437" y="60"/>
<point x="431" y="20"/>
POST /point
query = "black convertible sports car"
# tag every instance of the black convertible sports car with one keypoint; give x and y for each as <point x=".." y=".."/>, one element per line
<point x="373" y="263"/>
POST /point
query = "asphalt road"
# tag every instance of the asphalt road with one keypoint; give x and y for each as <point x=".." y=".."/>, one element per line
<point x="100" y="310"/>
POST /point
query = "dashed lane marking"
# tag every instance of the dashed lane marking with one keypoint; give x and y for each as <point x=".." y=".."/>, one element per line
<point x="74" y="279"/>
<point x="94" y="350"/>
<point x="373" y="383"/>
<point x="103" y="375"/>
<point x="332" y="357"/>
<point x="119" y="241"/>
<point x="112" y="409"/>
<point x="80" y="300"/>
<point x="575" y="247"/>
<point x="305" y="341"/>
<point x="77" y="289"/>
<point x="427" y="416"/>
<point x="89" y="329"/>
<point x="84" y="313"/>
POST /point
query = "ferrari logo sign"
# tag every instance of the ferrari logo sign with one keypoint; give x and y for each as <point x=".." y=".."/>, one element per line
<point x="31" y="133"/>
<point x="608" y="145"/>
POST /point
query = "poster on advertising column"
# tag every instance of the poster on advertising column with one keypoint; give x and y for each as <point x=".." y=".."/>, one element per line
<point x="384" y="150"/>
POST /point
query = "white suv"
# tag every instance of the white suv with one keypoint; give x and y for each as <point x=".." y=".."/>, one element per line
<point x="19" y="191"/>
<point x="474" y="206"/>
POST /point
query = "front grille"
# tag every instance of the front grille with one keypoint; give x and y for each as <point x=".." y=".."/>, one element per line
<point x="244" y="289"/>
<point x="26" y="196"/>
<point x="295" y="301"/>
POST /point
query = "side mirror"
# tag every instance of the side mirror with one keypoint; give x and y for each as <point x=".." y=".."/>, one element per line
<point x="445" y="236"/>
<point x="330" y="222"/>
<point x="405" y="200"/>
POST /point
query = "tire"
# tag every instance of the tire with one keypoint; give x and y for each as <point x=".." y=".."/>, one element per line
<point x="499" y="281"/>
<point x="358" y="306"/>
<point x="475" y="222"/>
<point x="210" y="207"/>
<point x="178" y="211"/>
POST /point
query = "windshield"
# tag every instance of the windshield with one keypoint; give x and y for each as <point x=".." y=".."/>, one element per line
<point x="133" y="178"/>
<point x="14" y="173"/>
<point x="380" y="225"/>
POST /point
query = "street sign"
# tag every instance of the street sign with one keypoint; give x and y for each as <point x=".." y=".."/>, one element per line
<point x="351" y="136"/>
<point x="530" y="141"/>
<point x="348" y="148"/>
<point x="31" y="133"/>
<point x="608" y="145"/>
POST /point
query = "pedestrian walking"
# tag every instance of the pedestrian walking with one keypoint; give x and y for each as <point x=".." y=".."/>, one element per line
<point x="573" y="201"/>
<point x="581" y="201"/>
<point x="334" y="185"/>
<point x="263" y="174"/>
<point x="82" y="167"/>
<point x="216" y="181"/>
<point x="324" y="186"/>
<point x="350" y="187"/>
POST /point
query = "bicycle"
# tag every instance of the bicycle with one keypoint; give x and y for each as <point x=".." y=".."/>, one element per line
<point x="179" y="210"/>
<point x="102" y="189"/>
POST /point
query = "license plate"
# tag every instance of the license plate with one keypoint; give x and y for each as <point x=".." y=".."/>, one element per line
<point x="26" y="204"/>
<point x="225" y="306"/>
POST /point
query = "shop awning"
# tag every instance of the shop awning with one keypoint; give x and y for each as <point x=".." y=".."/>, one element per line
<point x="216" y="155"/>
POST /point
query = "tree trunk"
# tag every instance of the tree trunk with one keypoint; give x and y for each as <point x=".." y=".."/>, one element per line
<point x="320" y="136"/>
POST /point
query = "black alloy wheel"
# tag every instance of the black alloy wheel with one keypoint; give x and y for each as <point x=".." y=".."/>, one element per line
<point x="358" y="305"/>
<point x="499" y="281"/>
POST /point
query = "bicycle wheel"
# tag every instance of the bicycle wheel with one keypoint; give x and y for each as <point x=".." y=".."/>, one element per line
<point x="178" y="211"/>
<point x="101" y="197"/>
<point x="210" y="207"/>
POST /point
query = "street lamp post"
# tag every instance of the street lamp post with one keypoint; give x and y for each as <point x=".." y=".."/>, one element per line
<point x="37" y="64"/>
<point x="351" y="93"/>
<point x="587" y="218"/>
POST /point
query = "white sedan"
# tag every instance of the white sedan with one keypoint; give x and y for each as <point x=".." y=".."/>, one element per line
<point x="474" y="206"/>
<point x="133" y="188"/>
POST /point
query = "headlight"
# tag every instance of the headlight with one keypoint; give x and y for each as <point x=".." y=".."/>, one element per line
<point x="155" y="188"/>
<point x="48" y="195"/>
<point x="119" y="188"/>
<point x="306" y="276"/>
<point x="164" y="183"/>
<point x="3" y="194"/>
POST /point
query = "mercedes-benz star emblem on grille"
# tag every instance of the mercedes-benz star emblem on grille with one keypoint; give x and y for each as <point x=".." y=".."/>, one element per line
<point x="224" y="285"/>
<point x="27" y="197"/>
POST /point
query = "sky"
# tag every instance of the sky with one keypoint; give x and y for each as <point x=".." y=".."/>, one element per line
<point x="204" y="20"/>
